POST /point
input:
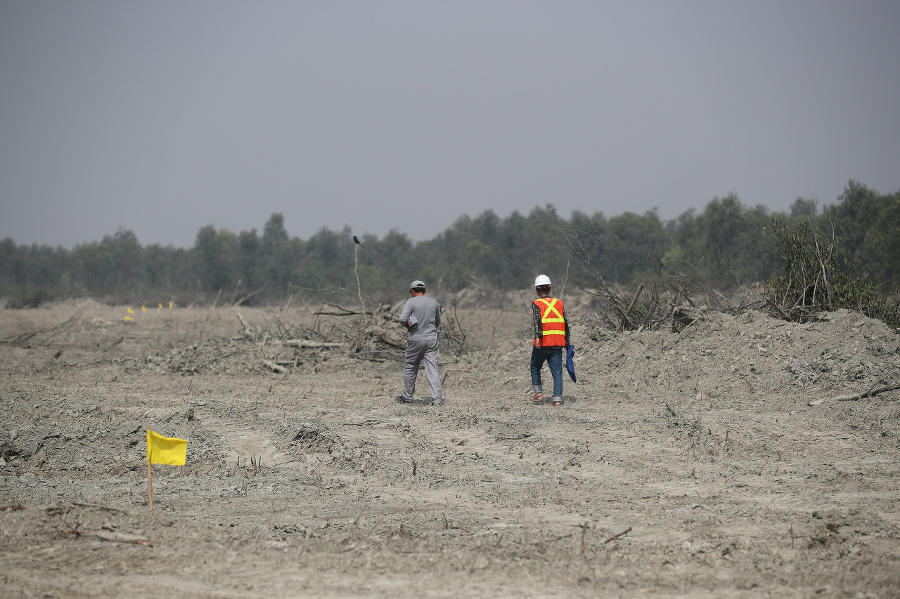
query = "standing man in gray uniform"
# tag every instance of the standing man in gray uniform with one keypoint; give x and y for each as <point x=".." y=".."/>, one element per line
<point x="421" y="316"/>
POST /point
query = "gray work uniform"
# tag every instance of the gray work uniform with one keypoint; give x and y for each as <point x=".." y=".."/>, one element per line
<point x="425" y="315"/>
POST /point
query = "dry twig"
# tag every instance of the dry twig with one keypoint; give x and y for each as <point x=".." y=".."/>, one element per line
<point x="616" y="536"/>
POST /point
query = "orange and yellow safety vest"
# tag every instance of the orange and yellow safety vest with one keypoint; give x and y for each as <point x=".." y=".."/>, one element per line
<point x="553" y="324"/>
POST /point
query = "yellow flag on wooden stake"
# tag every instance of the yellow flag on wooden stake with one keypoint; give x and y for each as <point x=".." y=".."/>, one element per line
<point x="165" y="450"/>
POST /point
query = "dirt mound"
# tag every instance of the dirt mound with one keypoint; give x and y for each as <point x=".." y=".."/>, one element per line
<point x="310" y="480"/>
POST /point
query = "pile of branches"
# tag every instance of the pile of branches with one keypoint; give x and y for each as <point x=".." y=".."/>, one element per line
<point x="670" y="298"/>
<point x="365" y="332"/>
<point x="375" y="334"/>
<point x="371" y="333"/>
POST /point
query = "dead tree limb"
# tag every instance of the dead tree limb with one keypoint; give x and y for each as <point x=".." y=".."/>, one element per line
<point x="856" y="396"/>
<point x="634" y="300"/>
<point x="616" y="536"/>
<point x="248" y="296"/>
<point x="52" y="331"/>
<point x="777" y="308"/>
<point x="343" y="311"/>
<point x="274" y="367"/>
<point x="870" y="393"/>
<point x="116" y="537"/>
<point x="305" y="343"/>
<point x="248" y="330"/>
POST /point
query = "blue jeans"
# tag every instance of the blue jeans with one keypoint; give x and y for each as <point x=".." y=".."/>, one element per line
<point x="553" y="357"/>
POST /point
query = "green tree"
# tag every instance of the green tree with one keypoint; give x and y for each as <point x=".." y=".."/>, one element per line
<point x="866" y="222"/>
<point x="817" y="276"/>
<point x="725" y="244"/>
<point x="804" y="207"/>
<point x="327" y="263"/>
<point x="855" y="211"/>
<point x="276" y="254"/>
<point x="123" y="261"/>
<point x="635" y="246"/>
<point x="215" y="258"/>
<point x="251" y="260"/>
<point x="879" y="255"/>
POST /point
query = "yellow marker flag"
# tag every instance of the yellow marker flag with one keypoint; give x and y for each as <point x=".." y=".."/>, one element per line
<point x="143" y="308"/>
<point x="170" y="305"/>
<point x="130" y="311"/>
<point x="128" y="318"/>
<point x="165" y="450"/>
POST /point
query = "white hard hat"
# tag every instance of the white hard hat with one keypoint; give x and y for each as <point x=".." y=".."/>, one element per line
<point x="541" y="281"/>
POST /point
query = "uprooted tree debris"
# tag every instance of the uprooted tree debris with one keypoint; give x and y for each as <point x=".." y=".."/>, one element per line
<point x="279" y="346"/>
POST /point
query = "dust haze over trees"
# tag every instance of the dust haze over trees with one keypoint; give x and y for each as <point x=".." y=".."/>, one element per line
<point x="724" y="245"/>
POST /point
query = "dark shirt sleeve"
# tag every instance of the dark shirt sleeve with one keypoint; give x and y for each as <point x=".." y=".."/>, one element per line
<point x="536" y="321"/>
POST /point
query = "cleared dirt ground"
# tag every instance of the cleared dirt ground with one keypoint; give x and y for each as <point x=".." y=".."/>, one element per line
<point x="314" y="482"/>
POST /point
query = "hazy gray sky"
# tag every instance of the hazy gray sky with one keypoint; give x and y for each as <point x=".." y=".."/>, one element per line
<point x="163" y="117"/>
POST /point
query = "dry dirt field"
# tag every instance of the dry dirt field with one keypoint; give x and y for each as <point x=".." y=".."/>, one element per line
<point x="311" y="481"/>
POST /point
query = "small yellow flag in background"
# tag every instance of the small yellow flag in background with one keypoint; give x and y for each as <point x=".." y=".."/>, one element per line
<point x="165" y="450"/>
<point x="130" y="311"/>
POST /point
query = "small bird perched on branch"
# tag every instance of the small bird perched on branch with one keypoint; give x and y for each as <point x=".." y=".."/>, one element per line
<point x="356" y="241"/>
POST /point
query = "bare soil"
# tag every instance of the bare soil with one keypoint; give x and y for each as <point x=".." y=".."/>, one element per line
<point x="314" y="482"/>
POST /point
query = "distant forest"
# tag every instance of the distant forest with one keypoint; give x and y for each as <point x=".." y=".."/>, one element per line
<point x="725" y="245"/>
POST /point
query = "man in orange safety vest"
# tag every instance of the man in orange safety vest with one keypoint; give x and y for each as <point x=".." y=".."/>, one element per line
<point x="551" y="336"/>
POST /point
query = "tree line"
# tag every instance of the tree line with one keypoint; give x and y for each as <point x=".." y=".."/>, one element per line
<point x="724" y="245"/>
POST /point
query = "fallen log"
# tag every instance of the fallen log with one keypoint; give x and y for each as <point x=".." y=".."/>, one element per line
<point x="288" y="362"/>
<point x="274" y="367"/>
<point x="391" y="339"/>
<point x="309" y="344"/>
<point x="116" y="537"/>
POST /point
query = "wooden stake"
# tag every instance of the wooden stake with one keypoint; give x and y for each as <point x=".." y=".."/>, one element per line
<point x="358" y="287"/>
<point x="149" y="478"/>
<point x="184" y="397"/>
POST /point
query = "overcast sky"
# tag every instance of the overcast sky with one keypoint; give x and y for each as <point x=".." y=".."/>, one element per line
<point x="163" y="117"/>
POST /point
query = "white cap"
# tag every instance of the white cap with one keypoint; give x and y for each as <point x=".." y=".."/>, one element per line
<point x="417" y="285"/>
<point x="541" y="281"/>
